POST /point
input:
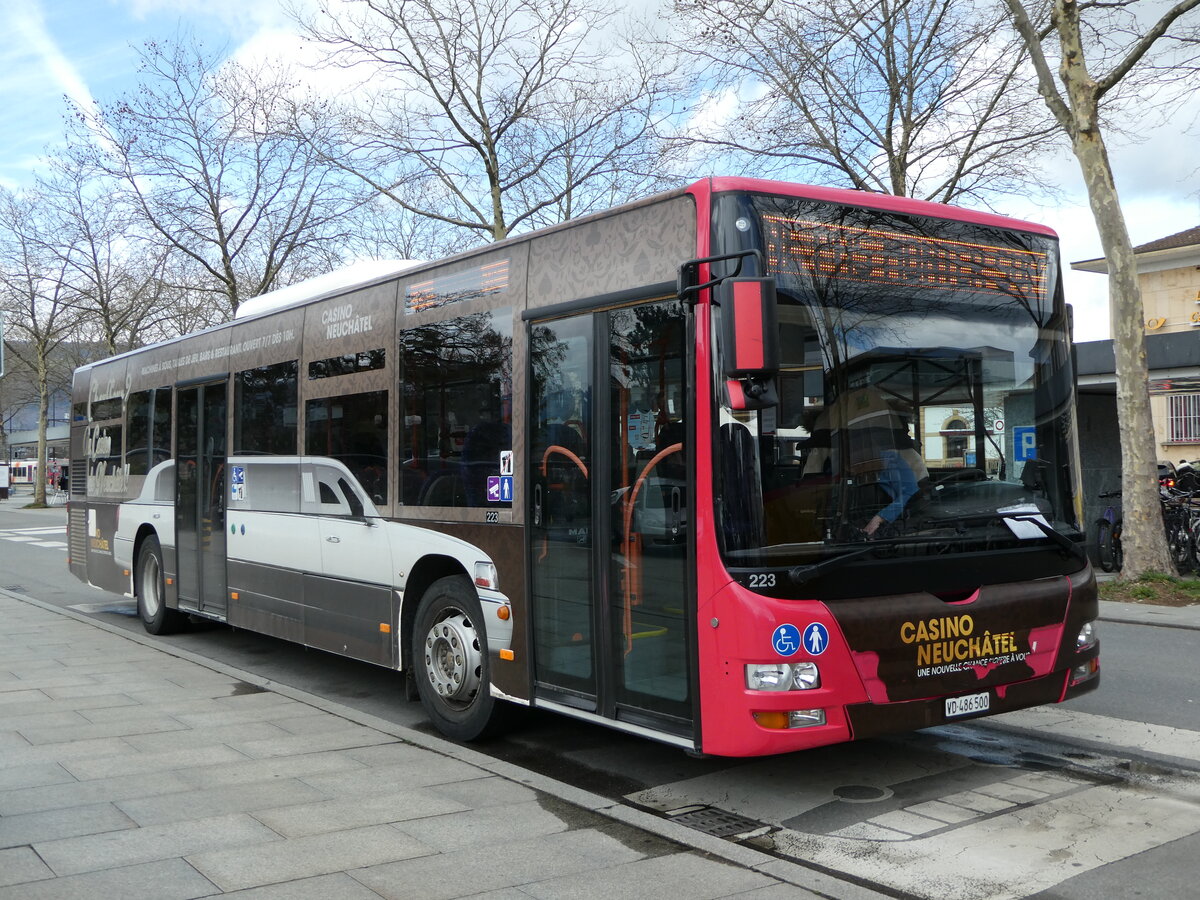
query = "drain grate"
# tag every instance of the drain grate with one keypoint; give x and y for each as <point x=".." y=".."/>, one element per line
<point x="717" y="822"/>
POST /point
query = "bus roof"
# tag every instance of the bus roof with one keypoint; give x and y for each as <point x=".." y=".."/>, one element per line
<point x="377" y="271"/>
<point x="868" y="199"/>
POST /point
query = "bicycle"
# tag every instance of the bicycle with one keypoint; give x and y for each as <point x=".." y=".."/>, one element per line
<point x="1180" y="517"/>
<point x="1108" y="535"/>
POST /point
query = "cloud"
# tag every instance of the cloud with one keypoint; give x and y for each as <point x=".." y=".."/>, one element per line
<point x="27" y="21"/>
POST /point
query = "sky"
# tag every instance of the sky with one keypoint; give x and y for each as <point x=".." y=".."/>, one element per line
<point x="84" y="50"/>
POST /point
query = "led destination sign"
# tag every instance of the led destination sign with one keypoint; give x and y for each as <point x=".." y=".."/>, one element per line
<point x="891" y="258"/>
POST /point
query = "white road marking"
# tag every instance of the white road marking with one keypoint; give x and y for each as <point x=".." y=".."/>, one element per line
<point x="35" y="537"/>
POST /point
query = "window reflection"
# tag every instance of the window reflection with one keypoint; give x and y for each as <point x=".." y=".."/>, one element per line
<point x="352" y="428"/>
<point x="457" y="407"/>
<point x="265" y="403"/>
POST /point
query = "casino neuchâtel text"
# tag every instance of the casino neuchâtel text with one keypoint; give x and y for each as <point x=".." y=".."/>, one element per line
<point x="951" y="639"/>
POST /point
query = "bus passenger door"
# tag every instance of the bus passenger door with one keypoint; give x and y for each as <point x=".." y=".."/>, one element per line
<point x="611" y="594"/>
<point x="200" y="497"/>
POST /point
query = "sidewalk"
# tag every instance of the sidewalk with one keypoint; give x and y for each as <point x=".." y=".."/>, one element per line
<point x="129" y="768"/>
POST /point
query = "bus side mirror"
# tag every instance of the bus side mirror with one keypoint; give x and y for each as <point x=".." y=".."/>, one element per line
<point x="750" y="341"/>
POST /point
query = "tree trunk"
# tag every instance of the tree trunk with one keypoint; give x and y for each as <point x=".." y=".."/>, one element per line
<point x="39" y="482"/>
<point x="1142" y="538"/>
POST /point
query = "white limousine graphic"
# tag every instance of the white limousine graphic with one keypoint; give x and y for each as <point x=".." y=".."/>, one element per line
<point x="293" y="547"/>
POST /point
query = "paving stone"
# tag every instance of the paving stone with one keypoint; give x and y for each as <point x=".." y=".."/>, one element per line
<point x="679" y="875"/>
<point x="167" y="880"/>
<point x="336" y="814"/>
<point x="367" y="780"/>
<point x="215" y="714"/>
<point x="777" y="891"/>
<point x="487" y="791"/>
<point x="32" y="775"/>
<point x="316" y="723"/>
<point x="136" y="725"/>
<point x="156" y="842"/>
<point x="20" y="865"/>
<point x="132" y="762"/>
<point x="66" y="704"/>
<point x="84" y="793"/>
<point x="229" y="735"/>
<point x="295" y="745"/>
<point x="447" y="876"/>
<point x="84" y="690"/>
<point x="397" y="753"/>
<point x="56" y="824"/>
<point x="253" y="866"/>
<point x="22" y="695"/>
<point x="308" y="767"/>
<point x="67" y="750"/>
<point x="322" y="887"/>
<point x="487" y="826"/>
<point x="234" y="798"/>
<point x="49" y="717"/>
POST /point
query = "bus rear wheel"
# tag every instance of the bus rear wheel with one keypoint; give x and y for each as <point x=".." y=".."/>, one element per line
<point x="450" y="661"/>
<point x="156" y="617"/>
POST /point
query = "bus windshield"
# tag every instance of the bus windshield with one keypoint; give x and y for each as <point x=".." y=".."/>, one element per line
<point x="925" y="394"/>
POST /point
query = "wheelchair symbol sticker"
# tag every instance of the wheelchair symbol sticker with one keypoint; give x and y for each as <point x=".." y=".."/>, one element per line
<point x="786" y="640"/>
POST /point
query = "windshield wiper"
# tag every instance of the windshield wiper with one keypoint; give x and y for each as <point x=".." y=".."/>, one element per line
<point x="804" y="574"/>
<point x="1049" y="531"/>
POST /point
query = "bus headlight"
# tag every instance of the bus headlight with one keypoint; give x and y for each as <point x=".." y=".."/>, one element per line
<point x="781" y="676"/>
<point x="1086" y="639"/>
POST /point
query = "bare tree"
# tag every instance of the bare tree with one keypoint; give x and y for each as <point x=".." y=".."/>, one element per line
<point x="34" y="298"/>
<point x="114" y="270"/>
<point x="487" y="115"/>
<point x="1121" y="47"/>
<point x="197" y="153"/>
<point x="918" y="98"/>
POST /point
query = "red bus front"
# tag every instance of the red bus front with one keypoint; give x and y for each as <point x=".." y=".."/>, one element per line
<point x="891" y="534"/>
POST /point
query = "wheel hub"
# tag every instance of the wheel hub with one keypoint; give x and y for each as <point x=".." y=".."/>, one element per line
<point x="150" y="577"/>
<point x="453" y="659"/>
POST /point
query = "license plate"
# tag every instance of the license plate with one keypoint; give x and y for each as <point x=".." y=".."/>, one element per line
<point x="971" y="703"/>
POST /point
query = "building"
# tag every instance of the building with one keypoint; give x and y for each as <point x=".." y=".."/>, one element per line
<point x="1169" y="275"/>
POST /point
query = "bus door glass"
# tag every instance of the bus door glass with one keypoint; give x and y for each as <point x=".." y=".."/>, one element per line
<point x="200" y="497"/>
<point x="562" y="465"/>
<point x="609" y="512"/>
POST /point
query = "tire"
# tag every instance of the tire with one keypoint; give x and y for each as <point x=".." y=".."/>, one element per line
<point x="1194" y="556"/>
<point x="151" y="593"/>
<point x="1104" y="545"/>
<point x="1180" y="543"/>
<point x="451" y="663"/>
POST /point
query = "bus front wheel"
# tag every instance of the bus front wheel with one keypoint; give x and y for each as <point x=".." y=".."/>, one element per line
<point x="151" y="595"/>
<point x="450" y="661"/>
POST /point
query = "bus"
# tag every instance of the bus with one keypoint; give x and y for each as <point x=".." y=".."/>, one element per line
<point x="25" y="471"/>
<point x="746" y="467"/>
